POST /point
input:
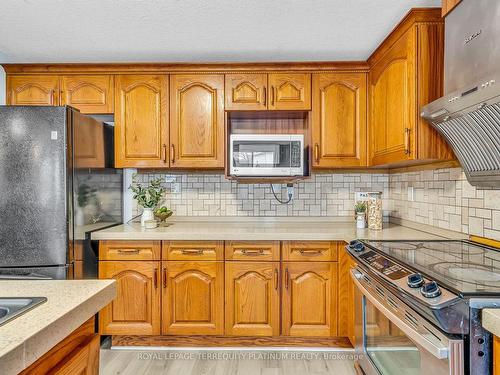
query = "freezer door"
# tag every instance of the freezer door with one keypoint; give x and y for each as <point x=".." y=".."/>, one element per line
<point x="33" y="186"/>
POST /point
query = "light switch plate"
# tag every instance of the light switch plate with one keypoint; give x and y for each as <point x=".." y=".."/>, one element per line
<point x="175" y="187"/>
<point x="411" y="194"/>
<point x="170" y="178"/>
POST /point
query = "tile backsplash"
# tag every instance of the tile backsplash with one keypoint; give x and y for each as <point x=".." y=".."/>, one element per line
<point x="443" y="198"/>
<point x="321" y="195"/>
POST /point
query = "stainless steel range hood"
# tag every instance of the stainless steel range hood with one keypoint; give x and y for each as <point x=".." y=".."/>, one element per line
<point x="468" y="116"/>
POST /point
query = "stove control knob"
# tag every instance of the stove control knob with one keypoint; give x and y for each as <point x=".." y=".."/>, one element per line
<point x="430" y="290"/>
<point x="357" y="246"/>
<point x="415" y="281"/>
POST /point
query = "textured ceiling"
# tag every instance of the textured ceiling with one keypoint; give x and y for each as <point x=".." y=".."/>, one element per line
<point x="196" y="30"/>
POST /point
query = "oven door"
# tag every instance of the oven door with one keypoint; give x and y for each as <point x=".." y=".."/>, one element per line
<point x="393" y="340"/>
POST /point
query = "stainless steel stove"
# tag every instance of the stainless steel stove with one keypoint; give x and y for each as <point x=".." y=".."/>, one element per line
<point x="418" y="306"/>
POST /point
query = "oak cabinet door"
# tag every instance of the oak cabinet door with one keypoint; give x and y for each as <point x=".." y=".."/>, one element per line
<point x="393" y="101"/>
<point x="246" y="91"/>
<point x="290" y="91"/>
<point x="141" y="129"/>
<point x="33" y="90"/>
<point x="309" y="299"/>
<point x="197" y="121"/>
<point x="84" y="360"/>
<point x="136" y="308"/>
<point x="90" y="94"/>
<point x="339" y="120"/>
<point x="192" y="298"/>
<point x="252" y="299"/>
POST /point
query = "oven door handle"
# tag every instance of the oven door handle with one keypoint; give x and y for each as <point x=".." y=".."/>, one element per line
<point x="440" y="352"/>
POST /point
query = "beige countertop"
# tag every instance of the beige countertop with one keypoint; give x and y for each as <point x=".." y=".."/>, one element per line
<point x="254" y="229"/>
<point x="491" y="320"/>
<point x="70" y="303"/>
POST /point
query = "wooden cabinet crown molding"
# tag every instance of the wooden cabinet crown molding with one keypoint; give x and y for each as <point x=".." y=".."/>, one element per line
<point x="201" y="68"/>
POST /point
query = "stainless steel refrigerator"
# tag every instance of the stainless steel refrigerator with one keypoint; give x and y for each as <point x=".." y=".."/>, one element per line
<point x="57" y="183"/>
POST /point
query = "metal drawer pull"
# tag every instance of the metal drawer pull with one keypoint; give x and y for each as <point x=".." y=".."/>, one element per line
<point x="407" y="141"/>
<point x="252" y="253"/>
<point x="287" y="278"/>
<point x="276" y="279"/>
<point x="129" y="251"/>
<point x="192" y="251"/>
<point x="155" y="277"/>
<point x="311" y="252"/>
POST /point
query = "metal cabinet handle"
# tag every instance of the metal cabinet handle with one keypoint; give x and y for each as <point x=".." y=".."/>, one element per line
<point x="264" y="96"/>
<point x="407" y="141"/>
<point x="252" y="253"/>
<point x="310" y="252"/>
<point x="287" y="278"/>
<point x="172" y="153"/>
<point x="164" y="277"/>
<point x="164" y="153"/>
<point x="129" y="251"/>
<point x="155" y="277"/>
<point x="192" y="251"/>
<point x="276" y="279"/>
<point x="272" y="95"/>
<point x="316" y="153"/>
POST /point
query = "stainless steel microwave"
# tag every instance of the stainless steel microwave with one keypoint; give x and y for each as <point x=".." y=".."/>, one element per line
<point x="267" y="155"/>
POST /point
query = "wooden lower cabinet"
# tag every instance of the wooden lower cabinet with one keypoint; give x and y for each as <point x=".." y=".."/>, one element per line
<point x="252" y="299"/>
<point x="76" y="354"/>
<point x="192" y="298"/>
<point x="309" y="299"/>
<point x="346" y="296"/>
<point x="136" y="308"/>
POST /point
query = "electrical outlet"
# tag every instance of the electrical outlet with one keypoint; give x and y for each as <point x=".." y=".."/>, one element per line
<point x="175" y="187"/>
<point x="411" y="194"/>
<point x="170" y="178"/>
<point x="289" y="191"/>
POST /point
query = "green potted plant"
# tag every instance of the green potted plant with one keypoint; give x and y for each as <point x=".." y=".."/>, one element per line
<point x="360" y="209"/>
<point x="147" y="197"/>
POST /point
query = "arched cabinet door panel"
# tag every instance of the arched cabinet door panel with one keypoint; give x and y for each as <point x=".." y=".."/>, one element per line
<point x="136" y="308"/>
<point x="33" y="90"/>
<point x="309" y="299"/>
<point x="252" y="299"/>
<point x="246" y="91"/>
<point x="141" y="124"/>
<point x="90" y="94"/>
<point x="197" y="121"/>
<point x="192" y="298"/>
<point x="339" y="120"/>
<point x="290" y="91"/>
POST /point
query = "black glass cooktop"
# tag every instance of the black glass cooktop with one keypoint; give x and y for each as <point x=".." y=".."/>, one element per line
<point x="462" y="266"/>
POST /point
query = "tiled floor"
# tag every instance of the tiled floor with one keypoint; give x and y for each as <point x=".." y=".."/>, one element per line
<point x="225" y="362"/>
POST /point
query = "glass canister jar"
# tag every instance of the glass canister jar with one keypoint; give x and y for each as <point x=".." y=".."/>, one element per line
<point x="374" y="210"/>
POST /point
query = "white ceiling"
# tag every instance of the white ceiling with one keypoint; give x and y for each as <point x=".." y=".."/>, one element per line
<point x="196" y="30"/>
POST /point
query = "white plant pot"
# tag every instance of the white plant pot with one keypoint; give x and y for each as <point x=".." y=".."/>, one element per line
<point x="147" y="214"/>
<point x="360" y="220"/>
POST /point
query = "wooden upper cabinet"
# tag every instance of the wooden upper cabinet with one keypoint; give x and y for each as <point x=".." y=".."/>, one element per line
<point x="246" y="92"/>
<point x="252" y="299"/>
<point x="90" y="94"/>
<point x="136" y="308"/>
<point x="193" y="298"/>
<point x="448" y="6"/>
<point x="141" y="128"/>
<point x="393" y="102"/>
<point x="309" y="299"/>
<point x="339" y="120"/>
<point x="197" y="121"/>
<point x="33" y="90"/>
<point x="406" y="73"/>
<point x="290" y="91"/>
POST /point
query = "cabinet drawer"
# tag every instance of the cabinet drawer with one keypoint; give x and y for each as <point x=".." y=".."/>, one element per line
<point x="129" y="250"/>
<point x="313" y="251"/>
<point x="253" y="250"/>
<point x="193" y="250"/>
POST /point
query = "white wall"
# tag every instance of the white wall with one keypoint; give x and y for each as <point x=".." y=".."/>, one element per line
<point x="2" y="86"/>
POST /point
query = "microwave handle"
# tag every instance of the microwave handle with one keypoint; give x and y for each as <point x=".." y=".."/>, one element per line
<point x="440" y="352"/>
